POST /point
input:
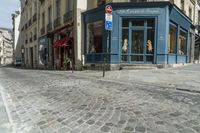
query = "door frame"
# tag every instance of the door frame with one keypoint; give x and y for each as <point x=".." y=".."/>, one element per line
<point x="140" y="28"/>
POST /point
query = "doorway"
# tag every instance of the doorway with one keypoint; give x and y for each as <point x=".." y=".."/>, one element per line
<point x="138" y="43"/>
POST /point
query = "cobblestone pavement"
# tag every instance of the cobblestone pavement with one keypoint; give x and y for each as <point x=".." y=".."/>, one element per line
<point x="51" y="102"/>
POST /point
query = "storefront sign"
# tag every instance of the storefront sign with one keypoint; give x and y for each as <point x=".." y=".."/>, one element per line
<point x="140" y="11"/>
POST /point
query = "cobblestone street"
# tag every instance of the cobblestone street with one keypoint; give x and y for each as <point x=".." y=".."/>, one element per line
<point x="40" y="101"/>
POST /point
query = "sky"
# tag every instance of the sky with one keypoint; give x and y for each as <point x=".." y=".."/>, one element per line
<point x="7" y="7"/>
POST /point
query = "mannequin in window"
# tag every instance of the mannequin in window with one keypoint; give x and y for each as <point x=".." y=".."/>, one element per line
<point x="125" y="46"/>
<point x="93" y="50"/>
<point x="149" y="47"/>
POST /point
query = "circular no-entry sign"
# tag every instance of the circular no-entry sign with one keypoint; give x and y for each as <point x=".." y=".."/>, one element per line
<point x="109" y="9"/>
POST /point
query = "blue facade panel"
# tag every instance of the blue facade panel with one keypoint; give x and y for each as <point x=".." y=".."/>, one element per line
<point x="172" y="59"/>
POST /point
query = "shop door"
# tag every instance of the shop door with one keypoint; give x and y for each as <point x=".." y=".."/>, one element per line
<point x="137" y="51"/>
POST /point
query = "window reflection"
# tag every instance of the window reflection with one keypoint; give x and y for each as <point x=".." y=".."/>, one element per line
<point x="182" y="43"/>
<point x="172" y="40"/>
<point x="94" y="37"/>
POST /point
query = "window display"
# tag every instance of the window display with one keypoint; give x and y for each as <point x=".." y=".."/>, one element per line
<point x="94" y="37"/>
<point x="182" y="43"/>
<point x="172" y="40"/>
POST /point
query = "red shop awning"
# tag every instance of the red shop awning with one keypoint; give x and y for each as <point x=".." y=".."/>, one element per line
<point x="64" y="42"/>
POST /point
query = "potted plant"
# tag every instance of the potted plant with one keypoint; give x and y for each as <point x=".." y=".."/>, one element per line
<point x="66" y="63"/>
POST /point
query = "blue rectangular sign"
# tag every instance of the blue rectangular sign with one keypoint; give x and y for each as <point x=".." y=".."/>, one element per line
<point x="108" y="25"/>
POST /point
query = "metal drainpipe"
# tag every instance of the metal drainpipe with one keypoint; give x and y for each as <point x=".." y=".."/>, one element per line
<point x="38" y="22"/>
<point x="52" y="39"/>
<point x="199" y="54"/>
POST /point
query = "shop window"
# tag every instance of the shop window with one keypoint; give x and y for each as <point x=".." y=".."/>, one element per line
<point x="172" y="39"/>
<point x="125" y="41"/>
<point x="94" y="37"/>
<point x="182" y="43"/>
<point x="124" y="46"/>
<point x="138" y="22"/>
<point x="150" y="22"/>
<point x="190" y="13"/>
<point x="125" y="23"/>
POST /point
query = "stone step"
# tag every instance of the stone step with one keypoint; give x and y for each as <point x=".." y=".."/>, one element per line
<point x="138" y="66"/>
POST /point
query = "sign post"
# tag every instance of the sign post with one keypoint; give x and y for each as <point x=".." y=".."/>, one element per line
<point x="108" y="27"/>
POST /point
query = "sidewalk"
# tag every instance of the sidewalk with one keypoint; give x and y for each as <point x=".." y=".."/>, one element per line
<point x="185" y="78"/>
<point x="4" y="122"/>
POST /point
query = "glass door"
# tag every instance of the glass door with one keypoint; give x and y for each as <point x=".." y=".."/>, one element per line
<point x="138" y="40"/>
<point x="137" y="46"/>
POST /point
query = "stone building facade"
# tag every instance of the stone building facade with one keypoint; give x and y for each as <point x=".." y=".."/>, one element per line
<point x="54" y="31"/>
<point x="6" y="47"/>
<point x="29" y="32"/>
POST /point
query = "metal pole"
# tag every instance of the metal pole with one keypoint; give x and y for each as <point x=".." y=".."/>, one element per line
<point x="199" y="54"/>
<point x="106" y="55"/>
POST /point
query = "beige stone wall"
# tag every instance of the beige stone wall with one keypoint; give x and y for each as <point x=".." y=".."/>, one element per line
<point x="27" y="14"/>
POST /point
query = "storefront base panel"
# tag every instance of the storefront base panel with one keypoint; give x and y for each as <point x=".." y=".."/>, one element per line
<point x="172" y="59"/>
<point x="112" y="67"/>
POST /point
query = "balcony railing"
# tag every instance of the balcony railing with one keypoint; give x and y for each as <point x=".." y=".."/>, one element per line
<point x="49" y="26"/>
<point x="29" y="22"/>
<point x="42" y="30"/>
<point x="57" y="22"/>
<point x="68" y="16"/>
<point x="35" y="37"/>
<point x="34" y="17"/>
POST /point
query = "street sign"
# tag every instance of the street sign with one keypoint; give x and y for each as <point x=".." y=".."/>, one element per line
<point x="108" y="17"/>
<point x="108" y="21"/>
<point x="108" y="25"/>
<point x="109" y="9"/>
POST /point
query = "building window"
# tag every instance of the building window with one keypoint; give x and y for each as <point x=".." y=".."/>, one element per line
<point x="43" y="19"/>
<point x="182" y="5"/>
<point x="101" y="2"/>
<point x="30" y="12"/>
<point x="182" y="43"/>
<point x="94" y="37"/>
<point x="50" y="14"/>
<point x="198" y="17"/>
<point x="35" y="6"/>
<point x="58" y="6"/>
<point x="69" y="5"/>
<point x="190" y="13"/>
<point x="172" y="39"/>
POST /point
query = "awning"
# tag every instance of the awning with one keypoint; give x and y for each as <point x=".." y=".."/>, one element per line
<point x="64" y="42"/>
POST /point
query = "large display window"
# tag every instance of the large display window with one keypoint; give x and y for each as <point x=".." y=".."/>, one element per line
<point x="94" y="37"/>
<point x="182" y="43"/>
<point x="172" y="40"/>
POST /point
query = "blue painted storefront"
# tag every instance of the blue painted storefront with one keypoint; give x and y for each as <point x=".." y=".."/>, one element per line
<point x="163" y="15"/>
